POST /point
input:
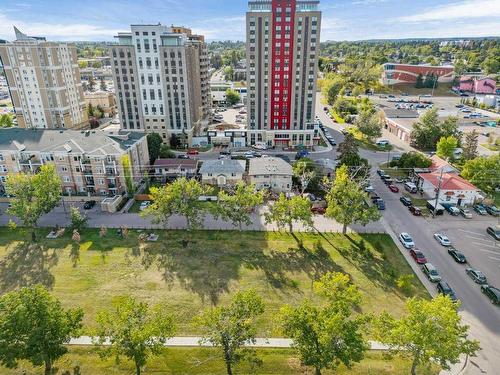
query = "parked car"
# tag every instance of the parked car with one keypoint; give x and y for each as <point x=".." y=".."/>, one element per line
<point x="476" y="275"/>
<point x="406" y="201"/>
<point x="415" y="211"/>
<point x="444" y="288"/>
<point x="465" y="213"/>
<point x="418" y="256"/>
<point x="380" y="204"/>
<point x="369" y="189"/>
<point x="492" y="293"/>
<point x="406" y="240"/>
<point x="318" y="210"/>
<point x="431" y="272"/>
<point x="480" y="209"/>
<point x="393" y="188"/>
<point x="410" y="187"/>
<point x="493" y="210"/>
<point x="380" y="172"/>
<point x="457" y="255"/>
<point x="301" y="154"/>
<point x="494" y="232"/>
<point x="182" y="156"/>
<point x="192" y="152"/>
<point x="88" y="205"/>
<point x="383" y="143"/>
<point x="144" y="205"/>
<point x="442" y="239"/>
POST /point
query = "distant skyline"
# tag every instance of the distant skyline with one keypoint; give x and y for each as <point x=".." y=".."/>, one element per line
<point x="94" y="20"/>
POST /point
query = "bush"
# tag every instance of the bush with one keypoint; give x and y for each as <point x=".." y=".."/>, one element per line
<point x="412" y="160"/>
<point x="78" y="220"/>
<point x="405" y="283"/>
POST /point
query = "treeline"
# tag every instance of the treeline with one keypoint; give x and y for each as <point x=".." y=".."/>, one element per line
<point x="471" y="56"/>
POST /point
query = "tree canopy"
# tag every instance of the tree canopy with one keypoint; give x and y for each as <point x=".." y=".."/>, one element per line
<point x="483" y="172"/>
<point x="154" y="145"/>
<point x="446" y="147"/>
<point x="284" y="212"/>
<point x="232" y="97"/>
<point x="431" y="331"/>
<point x="133" y="330"/>
<point x="430" y="129"/>
<point x="35" y="327"/>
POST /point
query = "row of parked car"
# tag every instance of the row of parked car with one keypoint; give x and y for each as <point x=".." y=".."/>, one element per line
<point x="327" y="134"/>
<point x="433" y="275"/>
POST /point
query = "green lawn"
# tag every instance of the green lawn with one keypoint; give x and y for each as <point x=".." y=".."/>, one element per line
<point x="363" y="142"/>
<point x="191" y="271"/>
<point x="491" y="147"/>
<point x="207" y="361"/>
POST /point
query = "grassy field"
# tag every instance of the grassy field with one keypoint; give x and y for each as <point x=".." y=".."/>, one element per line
<point x="192" y="271"/>
<point x="207" y="361"/>
<point x="491" y="147"/>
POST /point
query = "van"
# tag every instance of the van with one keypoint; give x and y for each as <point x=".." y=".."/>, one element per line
<point x="410" y="187"/>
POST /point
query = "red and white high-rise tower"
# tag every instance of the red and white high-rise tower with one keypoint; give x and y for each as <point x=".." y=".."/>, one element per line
<point x="282" y="63"/>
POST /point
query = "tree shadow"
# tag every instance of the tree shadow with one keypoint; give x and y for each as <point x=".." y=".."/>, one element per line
<point x="208" y="270"/>
<point x="74" y="254"/>
<point x="27" y="264"/>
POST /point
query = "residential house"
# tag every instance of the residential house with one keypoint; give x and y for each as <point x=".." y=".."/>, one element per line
<point x="270" y="173"/>
<point x="170" y="169"/>
<point x="476" y="85"/>
<point x="222" y="172"/>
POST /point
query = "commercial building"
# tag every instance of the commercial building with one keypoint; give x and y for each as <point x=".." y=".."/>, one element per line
<point x="270" y="173"/>
<point x="283" y="38"/>
<point x="44" y="83"/>
<point x="394" y="73"/>
<point x="88" y="162"/>
<point x="161" y="80"/>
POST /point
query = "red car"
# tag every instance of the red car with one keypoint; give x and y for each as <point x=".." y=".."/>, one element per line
<point x="192" y="152"/>
<point x="318" y="210"/>
<point x="418" y="256"/>
<point x="394" y="188"/>
<point x="415" y="211"/>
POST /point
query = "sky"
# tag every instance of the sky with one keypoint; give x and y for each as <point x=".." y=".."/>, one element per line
<point x="100" y="20"/>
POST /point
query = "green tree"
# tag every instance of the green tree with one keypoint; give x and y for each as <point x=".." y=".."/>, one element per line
<point x="344" y="107"/>
<point x="133" y="330"/>
<point x="483" y="172"/>
<point x="175" y="141"/>
<point x="412" y="159"/>
<point x="91" y="83"/>
<point x="232" y="97"/>
<point x="35" y="327"/>
<point x="34" y="195"/>
<point x="305" y="172"/>
<point x="181" y="197"/>
<point x="238" y="206"/>
<point x="429" y="130"/>
<point x="6" y="121"/>
<point x="470" y="145"/>
<point x="348" y="146"/>
<point x="128" y="174"/>
<point x="446" y="147"/>
<point x="327" y="336"/>
<point x="78" y="220"/>
<point x="231" y="327"/>
<point x="331" y="89"/>
<point x="420" y="81"/>
<point x="285" y="211"/>
<point x="347" y="202"/>
<point x="369" y="124"/>
<point x="154" y="144"/>
<point x="431" y="332"/>
<point x="228" y="73"/>
<point x="166" y="152"/>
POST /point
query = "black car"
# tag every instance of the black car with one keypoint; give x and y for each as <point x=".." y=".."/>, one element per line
<point x="458" y="256"/>
<point x="476" y="275"/>
<point x="492" y="293"/>
<point x="494" y="232"/>
<point x="406" y="201"/>
<point x="445" y="289"/>
<point x="88" y="205"/>
<point x="493" y="210"/>
<point x="380" y="172"/>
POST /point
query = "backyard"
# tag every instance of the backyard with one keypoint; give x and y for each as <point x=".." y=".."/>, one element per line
<point x="191" y="271"/>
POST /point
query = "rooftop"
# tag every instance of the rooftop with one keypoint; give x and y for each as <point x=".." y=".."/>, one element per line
<point x="223" y="166"/>
<point x="78" y="142"/>
<point x="450" y="181"/>
<point x="268" y="165"/>
<point x="176" y="163"/>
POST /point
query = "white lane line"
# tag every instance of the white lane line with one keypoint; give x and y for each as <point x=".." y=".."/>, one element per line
<point x="487" y="245"/>
<point x="494" y="258"/>
<point x="468" y="231"/>
<point x="477" y="237"/>
<point x="489" y="251"/>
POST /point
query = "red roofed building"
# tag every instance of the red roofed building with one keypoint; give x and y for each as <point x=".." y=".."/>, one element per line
<point x="406" y="73"/>
<point x="454" y="189"/>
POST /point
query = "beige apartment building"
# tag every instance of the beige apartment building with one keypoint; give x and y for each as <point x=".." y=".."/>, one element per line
<point x="88" y="162"/>
<point x="161" y="80"/>
<point x="44" y="83"/>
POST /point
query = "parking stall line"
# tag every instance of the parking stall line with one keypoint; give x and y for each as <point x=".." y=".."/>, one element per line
<point x="487" y="245"/>
<point x="468" y="231"/>
<point x="489" y="251"/>
<point x="494" y="258"/>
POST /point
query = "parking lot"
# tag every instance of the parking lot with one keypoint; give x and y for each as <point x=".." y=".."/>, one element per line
<point x="233" y="116"/>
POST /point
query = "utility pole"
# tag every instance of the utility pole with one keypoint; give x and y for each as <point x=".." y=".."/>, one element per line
<point x="437" y="193"/>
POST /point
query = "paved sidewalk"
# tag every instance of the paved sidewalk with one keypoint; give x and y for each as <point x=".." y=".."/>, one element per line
<point x="194" y="341"/>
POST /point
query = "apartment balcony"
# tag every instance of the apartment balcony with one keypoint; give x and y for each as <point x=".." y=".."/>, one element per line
<point x="85" y="161"/>
<point x="111" y="172"/>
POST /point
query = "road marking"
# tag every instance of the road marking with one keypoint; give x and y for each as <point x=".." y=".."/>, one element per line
<point x="487" y="245"/>
<point x="494" y="258"/>
<point x="489" y="251"/>
<point x="477" y="238"/>
<point x="468" y="231"/>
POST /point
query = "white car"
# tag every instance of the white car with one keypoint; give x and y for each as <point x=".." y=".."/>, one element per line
<point x="144" y="205"/>
<point x="406" y="240"/>
<point x="442" y="239"/>
<point x="369" y="189"/>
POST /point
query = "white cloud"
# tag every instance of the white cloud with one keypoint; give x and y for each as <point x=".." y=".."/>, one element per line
<point x="464" y="9"/>
<point x="55" y="31"/>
